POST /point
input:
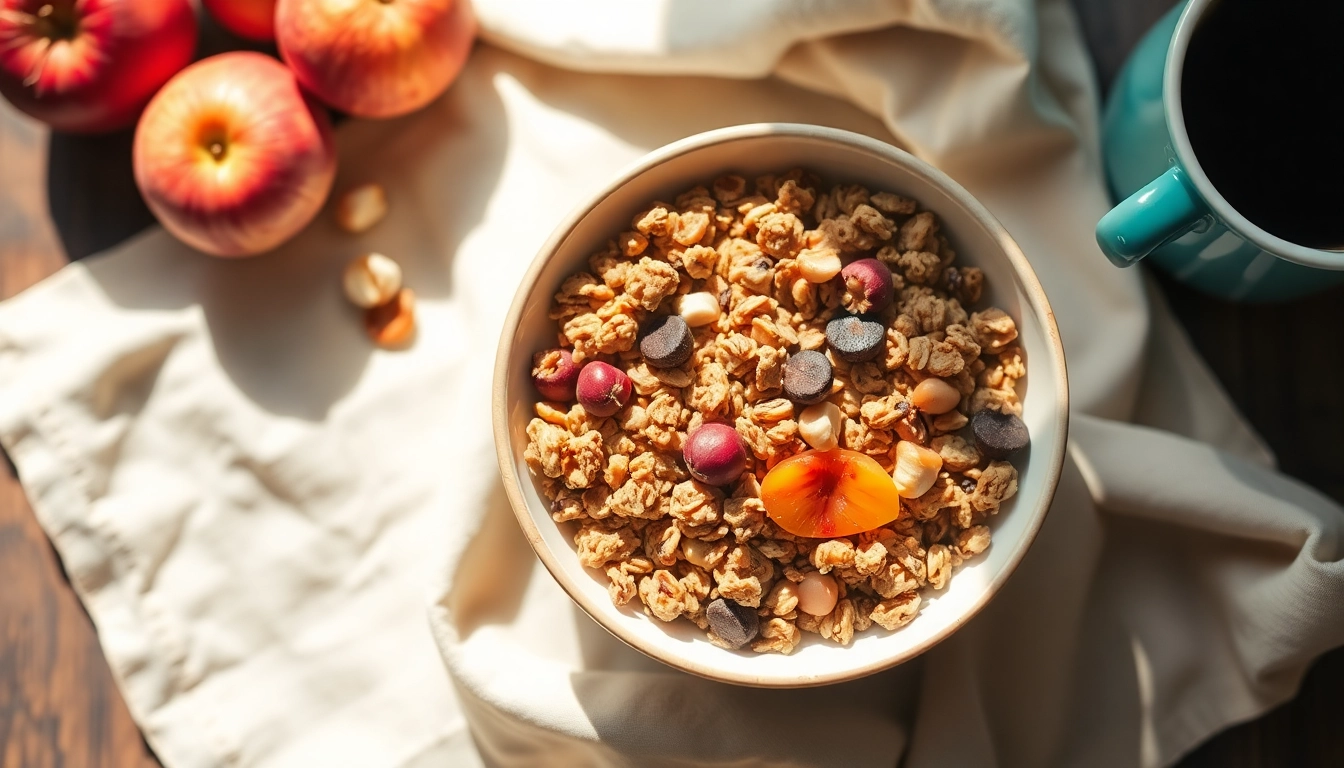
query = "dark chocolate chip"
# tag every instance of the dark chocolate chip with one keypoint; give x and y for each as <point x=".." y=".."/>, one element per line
<point x="807" y="377"/>
<point x="856" y="338"/>
<point x="665" y="341"/>
<point x="734" y="623"/>
<point x="998" y="435"/>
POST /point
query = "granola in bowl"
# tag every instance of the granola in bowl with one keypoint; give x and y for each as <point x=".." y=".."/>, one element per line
<point x="777" y="407"/>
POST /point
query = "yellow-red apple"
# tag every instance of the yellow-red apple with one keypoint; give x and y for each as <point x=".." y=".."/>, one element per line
<point x="375" y="58"/>
<point x="88" y="66"/>
<point x="232" y="156"/>
<point x="252" y="19"/>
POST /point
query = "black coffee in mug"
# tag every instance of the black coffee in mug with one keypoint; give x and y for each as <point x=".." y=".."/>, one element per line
<point x="1263" y="97"/>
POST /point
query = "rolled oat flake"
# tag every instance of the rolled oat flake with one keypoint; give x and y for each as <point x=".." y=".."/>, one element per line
<point x="734" y="623"/>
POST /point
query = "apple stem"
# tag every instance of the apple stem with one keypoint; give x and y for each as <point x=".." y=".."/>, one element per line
<point x="217" y="150"/>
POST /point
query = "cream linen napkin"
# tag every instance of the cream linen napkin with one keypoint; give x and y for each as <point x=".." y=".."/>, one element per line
<point x="256" y="507"/>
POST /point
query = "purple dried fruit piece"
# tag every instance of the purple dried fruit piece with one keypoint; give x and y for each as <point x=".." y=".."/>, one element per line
<point x="952" y="280"/>
<point x="714" y="454"/>
<point x="808" y="377"/>
<point x="602" y="389"/>
<point x="734" y="623"/>
<point x="555" y="374"/>
<point x="856" y="338"/>
<point x="665" y="341"/>
<point x="868" y="286"/>
<point x="998" y="435"/>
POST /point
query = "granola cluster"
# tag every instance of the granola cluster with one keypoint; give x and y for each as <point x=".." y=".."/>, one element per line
<point x="674" y="543"/>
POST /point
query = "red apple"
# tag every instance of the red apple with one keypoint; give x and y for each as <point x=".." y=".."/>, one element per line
<point x="88" y="66"/>
<point x="232" y="156"/>
<point x="252" y="19"/>
<point x="375" y="58"/>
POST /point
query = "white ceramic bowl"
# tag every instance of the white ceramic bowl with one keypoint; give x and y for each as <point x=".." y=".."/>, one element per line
<point x="839" y="156"/>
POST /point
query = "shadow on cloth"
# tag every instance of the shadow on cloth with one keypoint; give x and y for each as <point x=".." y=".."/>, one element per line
<point x="727" y="720"/>
<point x="495" y="595"/>
<point x="705" y="103"/>
<point x="1207" y="586"/>
<point x="280" y="325"/>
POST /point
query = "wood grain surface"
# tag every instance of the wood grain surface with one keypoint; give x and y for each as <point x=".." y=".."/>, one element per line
<point x="65" y="198"/>
<point x="59" y="705"/>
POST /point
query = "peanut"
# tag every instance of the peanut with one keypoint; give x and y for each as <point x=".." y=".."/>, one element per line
<point x="819" y="266"/>
<point x="935" y="396"/>
<point x="392" y="325"/>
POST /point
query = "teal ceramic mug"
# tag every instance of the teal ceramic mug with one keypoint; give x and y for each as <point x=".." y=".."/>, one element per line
<point x="1169" y="210"/>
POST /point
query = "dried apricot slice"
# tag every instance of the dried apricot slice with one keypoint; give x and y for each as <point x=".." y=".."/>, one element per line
<point x="820" y="494"/>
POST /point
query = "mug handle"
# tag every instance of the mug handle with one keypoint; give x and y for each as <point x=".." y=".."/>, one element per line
<point x="1160" y="212"/>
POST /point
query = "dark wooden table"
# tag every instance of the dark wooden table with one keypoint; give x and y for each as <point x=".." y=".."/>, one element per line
<point x="63" y="198"/>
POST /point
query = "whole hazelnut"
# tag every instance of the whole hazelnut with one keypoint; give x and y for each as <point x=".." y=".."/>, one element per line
<point x="371" y="280"/>
<point x="817" y="594"/>
<point x="361" y="207"/>
<point x="392" y="325"/>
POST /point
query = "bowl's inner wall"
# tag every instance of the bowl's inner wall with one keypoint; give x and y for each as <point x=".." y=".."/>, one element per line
<point x="815" y="659"/>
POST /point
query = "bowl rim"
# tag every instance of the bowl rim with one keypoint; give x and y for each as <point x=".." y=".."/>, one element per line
<point x="1035" y="299"/>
